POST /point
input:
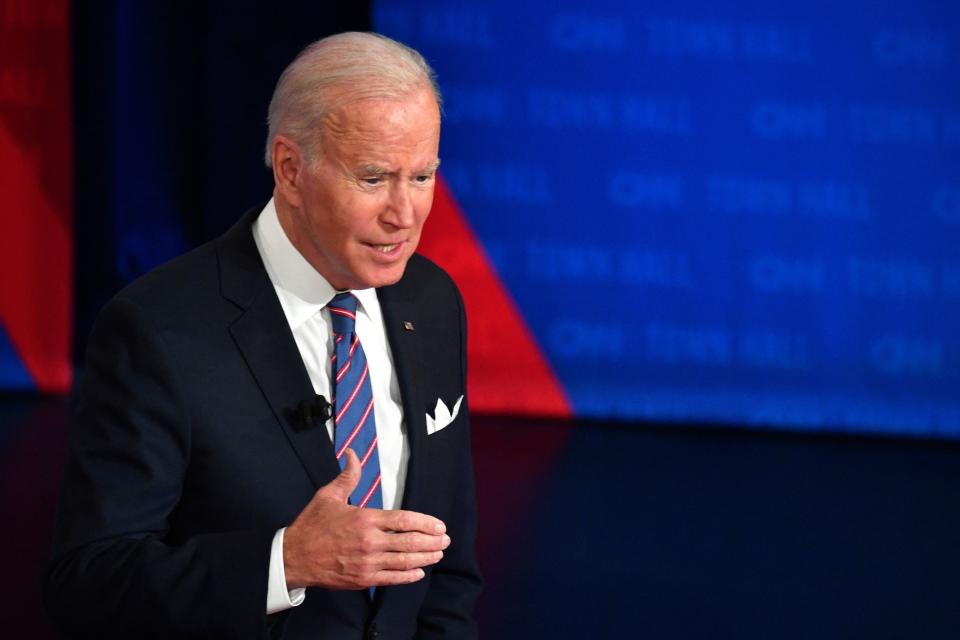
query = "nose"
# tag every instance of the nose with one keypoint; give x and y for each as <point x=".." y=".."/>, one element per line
<point x="400" y="211"/>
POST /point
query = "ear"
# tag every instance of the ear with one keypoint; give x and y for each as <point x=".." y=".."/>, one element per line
<point x="288" y="164"/>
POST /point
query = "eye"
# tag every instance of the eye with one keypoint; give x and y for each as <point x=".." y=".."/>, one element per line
<point x="424" y="178"/>
<point x="372" y="180"/>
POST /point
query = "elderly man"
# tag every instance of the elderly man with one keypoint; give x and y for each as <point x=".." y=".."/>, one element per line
<point x="271" y="437"/>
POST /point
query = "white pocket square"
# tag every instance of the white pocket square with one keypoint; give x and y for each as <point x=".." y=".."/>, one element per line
<point x="442" y="416"/>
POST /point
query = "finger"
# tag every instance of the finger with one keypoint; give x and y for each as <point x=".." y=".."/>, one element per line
<point x="389" y="578"/>
<point x="412" y="542"/>
<point x="411" y="521"/>
<point x="343" y="485"/>
<point x="408" y="561"/>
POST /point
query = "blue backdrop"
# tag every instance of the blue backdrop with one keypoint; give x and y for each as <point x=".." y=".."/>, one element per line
<point x="742" y="212"/>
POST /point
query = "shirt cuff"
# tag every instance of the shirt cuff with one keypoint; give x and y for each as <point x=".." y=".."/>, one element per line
<point x="279" y="598"/>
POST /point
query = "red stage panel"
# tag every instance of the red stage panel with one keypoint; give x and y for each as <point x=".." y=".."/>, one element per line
<point x="36" y="247"/>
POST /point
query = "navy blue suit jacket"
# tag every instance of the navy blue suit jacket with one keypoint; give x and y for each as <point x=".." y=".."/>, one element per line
<point x="185" y="457"/>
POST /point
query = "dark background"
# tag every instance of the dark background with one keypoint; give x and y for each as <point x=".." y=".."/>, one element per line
<point x="588" y="529"/>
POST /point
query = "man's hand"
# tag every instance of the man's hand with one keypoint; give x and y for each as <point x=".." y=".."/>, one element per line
<point x="338" y="546"/>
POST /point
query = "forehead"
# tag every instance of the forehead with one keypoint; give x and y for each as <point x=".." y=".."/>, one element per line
<point x="407" y="125"/>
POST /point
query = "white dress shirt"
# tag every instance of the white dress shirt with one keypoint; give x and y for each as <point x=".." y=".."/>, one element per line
<point x="303" y="295"/>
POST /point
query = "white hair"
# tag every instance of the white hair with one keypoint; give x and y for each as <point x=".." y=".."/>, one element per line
<point x="338" y="70"/>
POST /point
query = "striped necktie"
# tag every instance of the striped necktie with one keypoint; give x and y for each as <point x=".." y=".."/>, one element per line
<point x="354" y="424"/>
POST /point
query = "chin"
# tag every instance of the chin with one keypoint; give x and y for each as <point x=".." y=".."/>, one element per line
<point x="384" y="277"/>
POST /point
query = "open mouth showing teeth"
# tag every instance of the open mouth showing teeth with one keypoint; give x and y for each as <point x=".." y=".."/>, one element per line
<point x="385" y="248"/>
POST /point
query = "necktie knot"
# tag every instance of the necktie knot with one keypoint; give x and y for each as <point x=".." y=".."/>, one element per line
<point x="343" y="313"/>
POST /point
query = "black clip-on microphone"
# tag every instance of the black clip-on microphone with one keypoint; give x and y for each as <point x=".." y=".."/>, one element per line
<point x="312" y="412"/>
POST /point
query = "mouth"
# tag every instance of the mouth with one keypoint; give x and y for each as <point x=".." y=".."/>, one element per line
<point x="387" y="251"/>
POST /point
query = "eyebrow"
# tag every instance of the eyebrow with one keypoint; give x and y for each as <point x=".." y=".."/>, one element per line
<point x="376" y="170"/>
<point x="371" y="170"/>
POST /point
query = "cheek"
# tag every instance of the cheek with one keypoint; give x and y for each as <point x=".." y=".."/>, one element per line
<point x="355" y="214"/>
<point x="423" y="206"/>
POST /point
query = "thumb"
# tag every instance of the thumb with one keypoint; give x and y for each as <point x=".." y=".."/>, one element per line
<point x="343" y="485"/>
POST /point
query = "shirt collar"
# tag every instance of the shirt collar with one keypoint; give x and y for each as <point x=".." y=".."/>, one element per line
<point x="302" y="290"/>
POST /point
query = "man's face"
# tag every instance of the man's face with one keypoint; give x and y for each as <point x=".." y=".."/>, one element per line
<point x="365" y="199"/>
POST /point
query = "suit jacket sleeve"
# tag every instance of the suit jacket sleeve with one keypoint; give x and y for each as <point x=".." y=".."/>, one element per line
<point x="115" y="571"/>
<point x="455" y="582"/>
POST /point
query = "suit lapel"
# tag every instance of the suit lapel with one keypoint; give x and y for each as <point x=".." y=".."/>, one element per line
<point x="408" y="362"/>
<point x="263" y="337"/>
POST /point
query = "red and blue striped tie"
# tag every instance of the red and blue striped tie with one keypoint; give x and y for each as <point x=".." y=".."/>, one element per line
<point x="355" y="425"/>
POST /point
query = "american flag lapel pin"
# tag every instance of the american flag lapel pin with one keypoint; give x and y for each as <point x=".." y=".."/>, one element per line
<point x="407" y="325"/>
